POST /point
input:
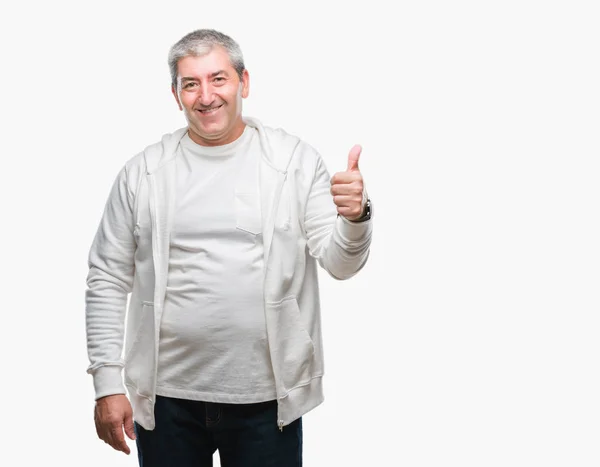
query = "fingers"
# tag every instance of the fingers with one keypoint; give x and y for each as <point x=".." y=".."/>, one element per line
<point x="343" y="200"/>
<point x="117" y="439"/>
<point x="110" y="421"/>
<point x="113" y="436"/>
<point x="353" y="157"/>
<point x="346" y="177"/>
<point x="128" y="425"/>
<point x="347" y="189"/>
<point x="349" y="206"/>
<point x="350" y="212"/>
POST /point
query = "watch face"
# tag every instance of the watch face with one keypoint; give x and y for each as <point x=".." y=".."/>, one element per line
<point x="367" y="215"/>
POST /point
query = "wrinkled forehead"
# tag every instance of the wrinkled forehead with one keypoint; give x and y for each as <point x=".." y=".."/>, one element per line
<point x="204" y="61"/>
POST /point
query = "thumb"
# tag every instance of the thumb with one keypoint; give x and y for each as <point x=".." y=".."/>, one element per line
<point x="128" y="425"/>
<point x="353" y="157"/>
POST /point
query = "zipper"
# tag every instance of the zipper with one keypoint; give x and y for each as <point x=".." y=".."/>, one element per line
<point x="280" y="425"/>
<point x="154" y="216"/>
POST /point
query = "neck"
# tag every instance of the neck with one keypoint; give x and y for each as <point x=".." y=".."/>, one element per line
<point x="219" y="140"/>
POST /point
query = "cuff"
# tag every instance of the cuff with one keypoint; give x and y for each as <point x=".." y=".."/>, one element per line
<point x="108" y="381"/>
<point x="352" y="231"/>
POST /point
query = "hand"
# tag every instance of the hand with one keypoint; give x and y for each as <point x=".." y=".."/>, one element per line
<point x="347" y="188"/>
<point x="111" y="414"/>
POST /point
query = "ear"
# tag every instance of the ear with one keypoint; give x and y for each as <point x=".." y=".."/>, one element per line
<point x="245" y="84"/>
<point x="174" y="91"/>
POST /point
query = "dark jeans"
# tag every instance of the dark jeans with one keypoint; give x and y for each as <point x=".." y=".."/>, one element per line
<point x="187" y="433"/>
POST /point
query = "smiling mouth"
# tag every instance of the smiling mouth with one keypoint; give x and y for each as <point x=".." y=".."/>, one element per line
<point x="209" y="111"/>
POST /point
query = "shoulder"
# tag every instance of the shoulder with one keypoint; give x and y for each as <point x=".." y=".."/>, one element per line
<point x="154" y="154"/>
<point x="276" y="137"/>
<point x="140" y="163"/>
<point x="291" y="150"/>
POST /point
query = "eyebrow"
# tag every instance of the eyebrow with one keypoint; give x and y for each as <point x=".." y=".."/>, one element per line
<point x="212" y="75"/>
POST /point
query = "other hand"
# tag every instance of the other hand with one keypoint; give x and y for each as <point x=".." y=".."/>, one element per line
<point x="112" y="414"/>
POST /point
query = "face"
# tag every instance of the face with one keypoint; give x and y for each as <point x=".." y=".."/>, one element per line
<point x="210" y="93"/>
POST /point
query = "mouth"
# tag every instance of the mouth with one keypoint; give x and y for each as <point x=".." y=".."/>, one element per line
<point x="210" y="111"/>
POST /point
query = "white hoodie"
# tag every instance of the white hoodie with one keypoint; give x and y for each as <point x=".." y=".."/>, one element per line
<point x="130" y="254"/>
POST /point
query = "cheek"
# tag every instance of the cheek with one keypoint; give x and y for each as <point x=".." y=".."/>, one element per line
<point x="231" y="95"/>
<point x="187" y="100"/>
<point x="234" y="101"/>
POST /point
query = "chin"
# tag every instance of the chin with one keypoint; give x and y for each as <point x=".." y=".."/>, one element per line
<point x="210" y="132"/>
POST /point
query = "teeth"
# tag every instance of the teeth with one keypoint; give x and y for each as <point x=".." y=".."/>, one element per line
<point x="210" y="110"/>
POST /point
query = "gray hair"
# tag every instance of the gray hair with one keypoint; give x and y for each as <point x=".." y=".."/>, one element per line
<point x="201" y="42"/>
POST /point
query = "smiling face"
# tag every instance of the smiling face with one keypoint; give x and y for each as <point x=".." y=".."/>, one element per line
<point x="210" y="93"/>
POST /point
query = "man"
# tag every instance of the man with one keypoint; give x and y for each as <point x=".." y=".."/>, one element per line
<point x="216" y="231"/>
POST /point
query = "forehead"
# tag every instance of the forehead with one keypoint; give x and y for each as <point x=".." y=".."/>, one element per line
<point x="215" y="60"/>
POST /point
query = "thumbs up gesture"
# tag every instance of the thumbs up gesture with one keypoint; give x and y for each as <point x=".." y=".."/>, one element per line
<point x="347" y="188"/>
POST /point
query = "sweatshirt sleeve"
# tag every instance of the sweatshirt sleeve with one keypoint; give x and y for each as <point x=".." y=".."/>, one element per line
<point x="340" y="246"/>
<point x="110" y="279"/>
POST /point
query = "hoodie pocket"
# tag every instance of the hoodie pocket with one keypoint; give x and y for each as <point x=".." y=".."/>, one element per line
<point x="292" y="350"/>
<point x="247" y="212"/>
<point x="139" y="356"/>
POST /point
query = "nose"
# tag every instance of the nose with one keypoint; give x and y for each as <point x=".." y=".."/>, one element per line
<point x="207" y="95"/>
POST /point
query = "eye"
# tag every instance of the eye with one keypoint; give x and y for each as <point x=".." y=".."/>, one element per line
<point x="219" y="79"/>
<point x="189" y="85"/>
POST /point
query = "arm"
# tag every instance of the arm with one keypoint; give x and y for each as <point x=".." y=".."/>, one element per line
<point x="340" y="245"/>
<point x="110" y="279"/>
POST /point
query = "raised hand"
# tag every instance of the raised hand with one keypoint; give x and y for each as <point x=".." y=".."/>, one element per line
<point x="347" y="188"/>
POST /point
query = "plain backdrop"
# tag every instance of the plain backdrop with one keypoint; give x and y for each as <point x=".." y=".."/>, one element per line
<point x="471" y="338"/>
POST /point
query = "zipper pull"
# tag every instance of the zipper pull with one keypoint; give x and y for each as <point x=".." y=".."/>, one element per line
<point x="281" y="425"/>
